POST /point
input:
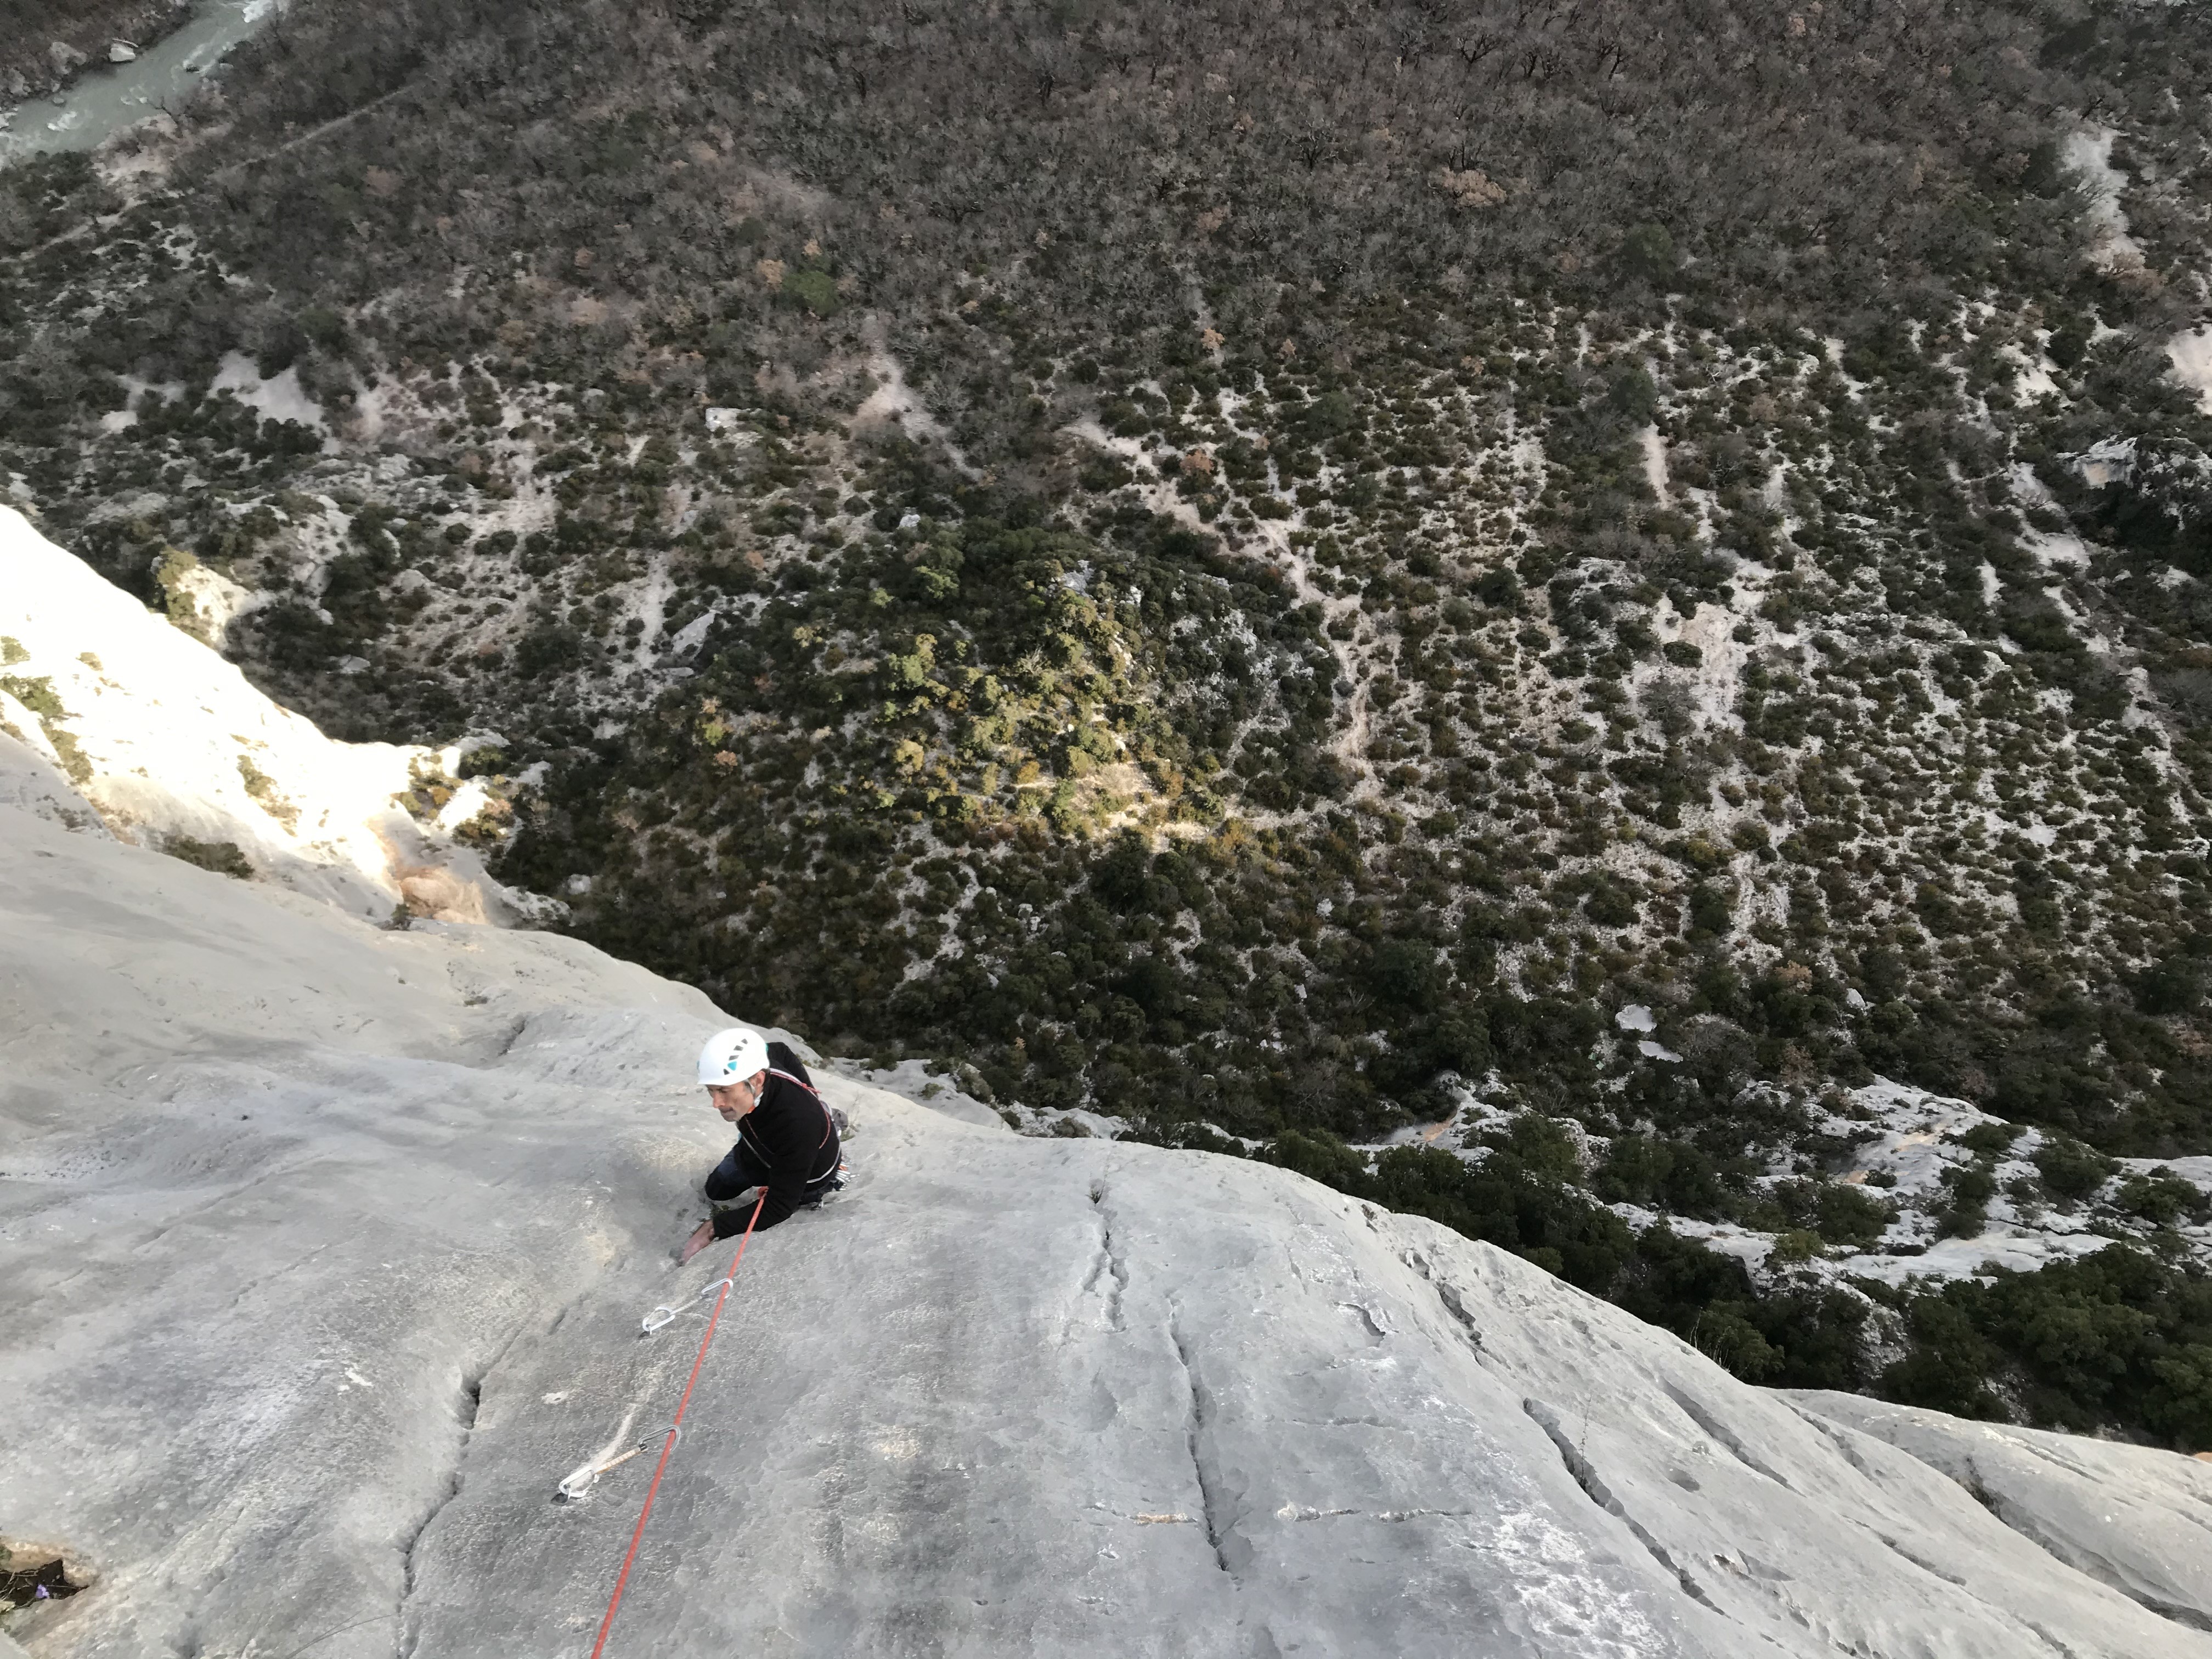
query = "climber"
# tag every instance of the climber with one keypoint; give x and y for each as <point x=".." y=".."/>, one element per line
<point x="788" y="1141"/>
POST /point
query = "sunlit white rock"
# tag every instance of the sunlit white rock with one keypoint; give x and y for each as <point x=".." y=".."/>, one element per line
<point x="172" y="741"/>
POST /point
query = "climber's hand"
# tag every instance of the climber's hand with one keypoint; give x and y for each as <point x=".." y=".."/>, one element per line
<point x="701" y="1237"/>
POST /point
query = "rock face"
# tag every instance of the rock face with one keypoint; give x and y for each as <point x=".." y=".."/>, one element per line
<point x="31" y="783"/>
<point x="163" y="739"/>
<point x="323" y="1252"/>
<point x="2123" y="1515"/>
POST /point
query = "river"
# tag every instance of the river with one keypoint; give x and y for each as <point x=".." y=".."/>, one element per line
<point x="107" y="97"/>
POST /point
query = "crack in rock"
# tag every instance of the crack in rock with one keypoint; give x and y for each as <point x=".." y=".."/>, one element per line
<point x="1109" y="1263"/>
<point x="2070" y="1554"/>
<point x="1927" y="1567"/>
<point x="1375" y="1330"/>
<point x="2074" y="1554"/>
<point x="1841" y="1438"/>
<point x="1298" y="1512"/>
<point x="1196" y="1425"/>
<point x="253" y="1285"/>
<point x="466" y="1412"/>
<point x="466" y="1405"/>
<point x="1722" y="1434"/>
<point x="1598" y="1493"/>
<point x="1148" y="1517"/>
<point x="1305" y="1512"/>
<point x="1450" y="1299"/>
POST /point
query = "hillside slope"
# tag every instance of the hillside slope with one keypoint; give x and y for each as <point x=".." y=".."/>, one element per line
<point x="325" y="1249"/>
<point x="1519" y="538"/>
<point x="1619" y="592"/>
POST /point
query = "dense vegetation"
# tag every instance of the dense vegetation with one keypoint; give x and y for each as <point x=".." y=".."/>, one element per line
<point x="2121" y="1340"/>
<point x="1257" y="569"/>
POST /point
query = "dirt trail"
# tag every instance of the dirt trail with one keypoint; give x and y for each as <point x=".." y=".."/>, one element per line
<point x="1350" y="746"/>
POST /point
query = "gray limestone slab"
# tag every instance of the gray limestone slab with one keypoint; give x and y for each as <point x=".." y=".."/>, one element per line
<point x="324" y="1251"/>
<point x="2138" y="1518"/>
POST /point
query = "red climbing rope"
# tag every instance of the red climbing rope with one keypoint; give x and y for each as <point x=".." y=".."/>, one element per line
<point x="674" y="1429"/>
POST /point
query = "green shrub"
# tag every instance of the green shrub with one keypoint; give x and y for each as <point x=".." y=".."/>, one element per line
<point x="2069" y="1169"/>
<point x="2118" y="1338"/>
<point x="2162" y="1199"/>
<point x="1970" y="1187"/>
<point x="169" y="576"/>
<point x="1989" y="1139"/>
<point x="1837" y="1211"/>
<point x="38" y="695"/>
<point x="266" y="795"/>
<point x="815" y="289"/>
<point x="1797" y="1245"/>
<point x="222" y="857"/>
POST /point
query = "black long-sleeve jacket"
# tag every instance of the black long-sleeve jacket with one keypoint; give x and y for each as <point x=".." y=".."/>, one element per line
<point x="787" y="1144"/>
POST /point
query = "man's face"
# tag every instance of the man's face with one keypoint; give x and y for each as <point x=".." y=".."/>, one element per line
<point x="734" y="1100"/>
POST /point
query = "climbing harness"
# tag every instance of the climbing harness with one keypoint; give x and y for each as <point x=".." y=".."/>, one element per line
<point x="675" y="1432"/>
<point x="835" y="1125"/>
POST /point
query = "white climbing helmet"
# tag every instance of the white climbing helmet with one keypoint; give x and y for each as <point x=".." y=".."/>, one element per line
<point x="732" y="1056"/>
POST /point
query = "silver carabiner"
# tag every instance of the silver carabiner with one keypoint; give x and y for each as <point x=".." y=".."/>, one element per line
<point x="648" y="1325"/>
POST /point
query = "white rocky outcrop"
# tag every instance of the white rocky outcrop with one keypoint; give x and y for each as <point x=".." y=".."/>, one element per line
<point x="163" y="739"/>
<point x="2191" y="356"/>
<point x="322" y="1251"/>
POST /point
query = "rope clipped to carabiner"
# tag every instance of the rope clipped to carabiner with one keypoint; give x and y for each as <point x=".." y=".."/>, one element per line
<point x="675" y="1429"/>
<point x="577" y="1485"/>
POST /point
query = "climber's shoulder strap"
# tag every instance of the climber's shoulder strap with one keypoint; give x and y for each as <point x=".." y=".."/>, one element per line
<point x="831" y="1126"/>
